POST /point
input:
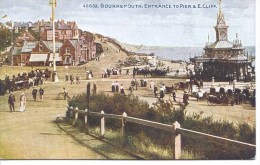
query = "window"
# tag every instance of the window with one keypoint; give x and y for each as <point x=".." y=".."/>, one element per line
<point x="67" y="50"/>
<point x="40" y="47"/>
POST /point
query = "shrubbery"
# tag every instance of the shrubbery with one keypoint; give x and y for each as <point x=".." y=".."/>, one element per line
<point x="165" y="112"/>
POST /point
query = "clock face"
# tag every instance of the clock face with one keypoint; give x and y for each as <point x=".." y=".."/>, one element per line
<point x="222" y="34"/>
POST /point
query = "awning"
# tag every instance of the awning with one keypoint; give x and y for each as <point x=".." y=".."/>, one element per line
<point x="38" y="57"/>
<point x="57" y="57"/>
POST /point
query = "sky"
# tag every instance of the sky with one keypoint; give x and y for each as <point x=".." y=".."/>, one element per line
<point x="144" y="26"/>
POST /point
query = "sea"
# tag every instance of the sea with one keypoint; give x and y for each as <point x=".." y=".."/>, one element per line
<point x="182" y="53"/>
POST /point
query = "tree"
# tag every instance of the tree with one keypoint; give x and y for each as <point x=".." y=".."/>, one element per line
<point x="5" y="35"/>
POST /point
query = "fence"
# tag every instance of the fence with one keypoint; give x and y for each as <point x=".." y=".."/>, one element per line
<point x="175" y="129"/>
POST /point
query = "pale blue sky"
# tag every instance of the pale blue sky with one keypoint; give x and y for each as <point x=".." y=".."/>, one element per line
<point x="164" y="27"/>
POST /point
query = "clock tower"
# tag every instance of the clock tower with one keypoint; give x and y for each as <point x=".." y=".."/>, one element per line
<point x="222" y="59"/>
<point x="221" y="27"/>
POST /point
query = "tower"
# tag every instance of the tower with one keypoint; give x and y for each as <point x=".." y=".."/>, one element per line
<point x="221" y="28"/>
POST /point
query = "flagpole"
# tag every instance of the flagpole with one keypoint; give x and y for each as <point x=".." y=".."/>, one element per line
<point x="12" y="42"/>
<point x="53" y="4"/>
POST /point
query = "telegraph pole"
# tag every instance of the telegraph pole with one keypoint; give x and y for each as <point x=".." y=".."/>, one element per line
<point x="53" y="4"/>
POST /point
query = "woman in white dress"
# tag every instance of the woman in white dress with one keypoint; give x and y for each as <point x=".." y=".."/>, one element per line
<point x="22" y="102"/>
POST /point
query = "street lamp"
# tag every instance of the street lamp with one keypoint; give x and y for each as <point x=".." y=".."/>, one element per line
<point x="12" y="42"/>
<point x="53" y="4"/>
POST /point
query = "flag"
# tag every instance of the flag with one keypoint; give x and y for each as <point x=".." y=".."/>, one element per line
<point x="5" y="16"/>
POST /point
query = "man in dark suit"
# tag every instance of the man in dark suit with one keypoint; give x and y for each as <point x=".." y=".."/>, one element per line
<point x="41" y="92"/>
<point x="11" y="101"/>
<point x="65" y="94"/>
<point x="34" y="93"/>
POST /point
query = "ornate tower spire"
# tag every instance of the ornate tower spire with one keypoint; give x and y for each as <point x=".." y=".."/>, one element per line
<point x="220" y="19"/>
<point x="220" y="7"/>
<point x="221" y="27"/>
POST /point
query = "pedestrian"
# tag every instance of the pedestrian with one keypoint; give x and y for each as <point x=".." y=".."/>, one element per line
<point x="212" y="81"/>
<point x="177" y="72"/>
<point x="145" y="82"/>
<point x="65" y="94"/>
<point x="163" y="87"/>
<point x="91" y="74"/>
<point x="201" y="83"/>
<point x="131" y="89"/>
<point x="77" y="79"/>
<point x="127" y="71"/>
<point x="108" y="72"/>
<point x="71" y="79"/>
<point x="174" y="95"/>
<point x="236" y="95"/>
<point x="230" y="79"/>
<point x="191" y="85"/>
<point x="136" y="83"/>
<point x="122" y="90"/>
<point x="232" y="101"/>
<point x="161" y="93"/>
<point x="94" y="89"/>
<point x="152" y="85"/>
<point x="142" y="82"/>
<point x="34" y="93"/>
<point x="41" y="92"/>
<point x="234" y="84"/>
<point x="155" y="89"/>
<point x="185" y="98"/>
<point x="11" y="102"/>
<point x="117" y="86"/>
<point x="2" y="88"/>
<point x="113" y="86"/>
<point x="22" y="102"/>
<point x="134" y="72"/>
<point x="241" y="98"/>
<point x="133" y="83"/>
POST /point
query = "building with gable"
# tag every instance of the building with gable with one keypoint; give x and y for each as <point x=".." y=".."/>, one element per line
<point x="42" y="53"/>
<point x="63" y="31"/>
<point x="72" y="46"/>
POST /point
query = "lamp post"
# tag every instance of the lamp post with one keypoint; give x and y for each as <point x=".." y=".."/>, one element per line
<point x="12" y="41"/>
<point x="53" y="4"/>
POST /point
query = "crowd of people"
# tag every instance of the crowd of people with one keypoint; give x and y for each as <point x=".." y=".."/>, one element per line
<point x="72" y="79"/>
<point x="24" y="80"/>
<point x="111" y="71"/>
<point x="115" y="87"/>
<point x="159" y="91"/>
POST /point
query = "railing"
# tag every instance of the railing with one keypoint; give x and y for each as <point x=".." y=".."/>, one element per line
<point x="175" y="129"/>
